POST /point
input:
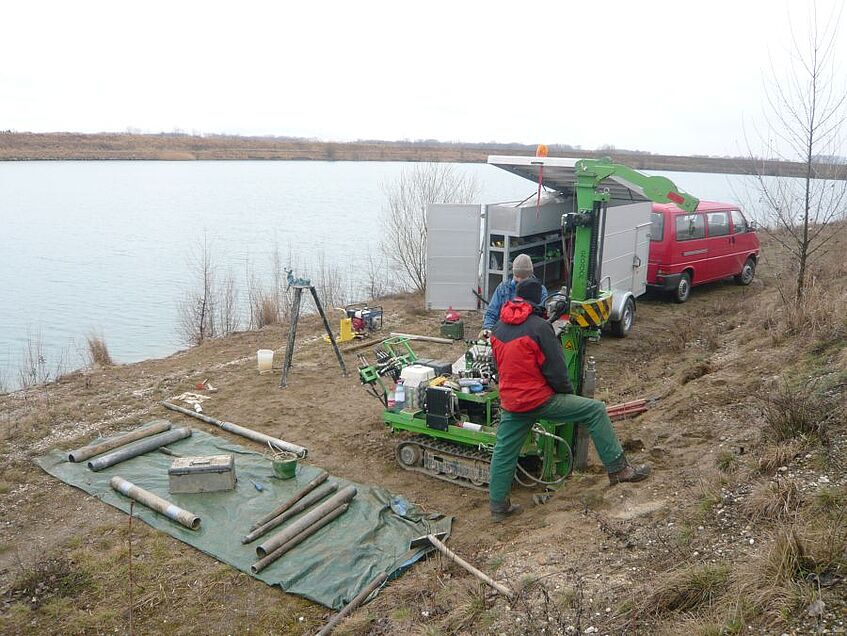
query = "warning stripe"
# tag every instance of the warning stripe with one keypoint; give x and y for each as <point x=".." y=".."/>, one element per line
<point x="592" y="313"/>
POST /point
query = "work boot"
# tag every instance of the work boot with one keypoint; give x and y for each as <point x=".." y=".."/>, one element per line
<point x="500" y="510"/>
<point x="630" y="473"/>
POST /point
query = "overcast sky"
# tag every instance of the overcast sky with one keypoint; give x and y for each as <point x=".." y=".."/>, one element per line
<point x="671" y="77"/>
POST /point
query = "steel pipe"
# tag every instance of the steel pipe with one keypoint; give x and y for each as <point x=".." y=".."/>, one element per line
<point x="151" y="428"/>
<point x="300" y="506"/>
<point x="241" y="430"/>
<point x="155" y="502"/>
<point x="341" y="497"/>
<point x="301" y="536"/>
<point x="297" y="496"/>
<point x="357" y="600"/>
<point x="138" y="448"/>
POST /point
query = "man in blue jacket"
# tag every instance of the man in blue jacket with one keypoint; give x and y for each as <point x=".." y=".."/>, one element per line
<point x="521" y="270"/>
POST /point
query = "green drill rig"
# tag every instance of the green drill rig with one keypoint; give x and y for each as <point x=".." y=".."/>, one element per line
<point x="453" y="415"/>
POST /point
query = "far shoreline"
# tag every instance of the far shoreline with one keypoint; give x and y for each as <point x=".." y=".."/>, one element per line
<point x="15" y="146"/>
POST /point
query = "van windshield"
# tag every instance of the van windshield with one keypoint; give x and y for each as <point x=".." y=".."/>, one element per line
<point x="657" y="226"/>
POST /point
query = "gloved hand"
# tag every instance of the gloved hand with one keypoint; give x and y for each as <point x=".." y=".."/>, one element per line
<point x="483" y="334"/>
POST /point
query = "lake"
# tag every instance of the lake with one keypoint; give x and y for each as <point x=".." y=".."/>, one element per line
<point x="104" y="246"/>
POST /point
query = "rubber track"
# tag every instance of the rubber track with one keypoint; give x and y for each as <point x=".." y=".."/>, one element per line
<point x="444" y="448"/>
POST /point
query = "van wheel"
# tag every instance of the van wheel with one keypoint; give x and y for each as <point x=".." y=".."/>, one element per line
<point x="747" y="272"/>
<point x="683" y="288"/>
<point x="621" y="328"/>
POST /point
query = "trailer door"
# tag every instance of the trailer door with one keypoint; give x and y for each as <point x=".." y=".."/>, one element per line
<point x="452" y="255"/>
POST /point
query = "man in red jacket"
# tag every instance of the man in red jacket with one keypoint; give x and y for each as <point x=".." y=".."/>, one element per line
<point x="534" y="385"/>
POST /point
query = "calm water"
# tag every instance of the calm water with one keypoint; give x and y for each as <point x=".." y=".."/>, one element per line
<point x="103" y="246"/>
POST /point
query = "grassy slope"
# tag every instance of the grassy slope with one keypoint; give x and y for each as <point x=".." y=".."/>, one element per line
<point x="742" y="527"/>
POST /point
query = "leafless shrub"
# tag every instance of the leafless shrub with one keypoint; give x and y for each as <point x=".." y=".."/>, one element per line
<point x="210" y="305"/>
<point x="801" y="408"/>
<point x="376" y="283"/>
<point x="197" y="310"/>
<point x="404" y="218"/>
<point x="35" y="368"/>
<point x="544" y="611"/>
<point x="329" y="283"/>
<point x="227" y="305"/>
<point x="98" y="352"/>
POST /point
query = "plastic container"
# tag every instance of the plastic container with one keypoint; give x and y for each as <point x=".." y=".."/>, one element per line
<point x="400" y="396"/>
<point x="392" y="403"/>
<point x="285" y="466"/>
<point x="265" y="358"/>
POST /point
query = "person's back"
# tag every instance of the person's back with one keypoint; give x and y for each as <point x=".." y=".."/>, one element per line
<point x="530" y="364"/>
<point x="534" y="385"/>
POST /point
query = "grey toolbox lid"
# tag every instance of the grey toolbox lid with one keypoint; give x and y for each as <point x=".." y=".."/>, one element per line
<point x="201" y="464"/>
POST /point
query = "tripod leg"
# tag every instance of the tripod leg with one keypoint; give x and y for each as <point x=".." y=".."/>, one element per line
<point x="328" y="330"/>
<point x="292" y="332"/>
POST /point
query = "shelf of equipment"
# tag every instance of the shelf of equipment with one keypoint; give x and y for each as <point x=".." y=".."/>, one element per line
<point x="523" y="228"/>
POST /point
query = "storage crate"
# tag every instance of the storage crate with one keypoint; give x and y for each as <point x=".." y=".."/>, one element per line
<point x="454" y="330"/>
<point x="212" y="473"/>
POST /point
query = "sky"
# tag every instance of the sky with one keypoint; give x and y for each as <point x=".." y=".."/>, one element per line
<point x="667" y="77"/>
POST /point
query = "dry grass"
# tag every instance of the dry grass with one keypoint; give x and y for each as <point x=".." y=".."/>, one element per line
<point x="773" y="501"/>
<point x="98" y="352"/>
<point x="799" y="408"/>
<point x="772" y="456"/>
<point x="688" y="588"/>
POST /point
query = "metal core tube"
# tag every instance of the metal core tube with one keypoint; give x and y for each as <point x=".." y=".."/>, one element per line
<point x="341" y="497"/>
<point x="300" y="506"/>
<point x="261" y="564"/>
<point x="83" y="453"/>
<point x="139" y="448"/>
<point x="155" y="502"/>
<point x="240" y="430"/>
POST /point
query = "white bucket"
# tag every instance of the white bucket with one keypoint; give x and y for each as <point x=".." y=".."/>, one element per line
<point x="265" y="358"/>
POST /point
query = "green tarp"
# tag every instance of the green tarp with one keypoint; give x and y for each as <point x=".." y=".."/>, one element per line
<point x="329" y="568"/>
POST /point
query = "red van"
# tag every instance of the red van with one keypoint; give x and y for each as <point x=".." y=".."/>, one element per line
<point x="690" y="249"/>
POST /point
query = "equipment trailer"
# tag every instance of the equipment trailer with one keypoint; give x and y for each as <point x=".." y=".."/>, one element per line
<point x="454" y="417"/>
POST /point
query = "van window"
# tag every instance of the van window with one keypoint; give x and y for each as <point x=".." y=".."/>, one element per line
<point x="690" y="226"/>
<point x="657" y="226"/>
<point x="718" y="223"/>
<point x="739" y="222"/>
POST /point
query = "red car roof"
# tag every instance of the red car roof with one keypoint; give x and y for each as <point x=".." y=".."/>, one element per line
<point x="704" y="206"/>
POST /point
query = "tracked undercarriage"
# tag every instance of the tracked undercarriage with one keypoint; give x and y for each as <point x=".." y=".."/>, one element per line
<point x="458" y="464"/>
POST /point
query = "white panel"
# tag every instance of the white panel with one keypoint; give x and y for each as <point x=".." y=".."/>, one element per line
<point x="627" y="227"/>
<point x="452" y="255"/>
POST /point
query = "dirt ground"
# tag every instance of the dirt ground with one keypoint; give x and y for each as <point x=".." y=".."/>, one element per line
<point x="594" y="559"/>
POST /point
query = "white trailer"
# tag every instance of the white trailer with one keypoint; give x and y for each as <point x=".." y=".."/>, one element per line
<point x="456" y="264"/>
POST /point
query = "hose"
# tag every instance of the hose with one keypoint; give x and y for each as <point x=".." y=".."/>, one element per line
<point x="536" y="480"/>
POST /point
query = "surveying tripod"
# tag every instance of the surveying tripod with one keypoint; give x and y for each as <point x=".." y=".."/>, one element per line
<point x="299" y="284"/>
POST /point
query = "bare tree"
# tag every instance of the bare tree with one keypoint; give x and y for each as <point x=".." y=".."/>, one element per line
<point x="803" y="122"/>
<point x="197" y="309"/>
<point x="227" y="305"/>
<point x="404" y="218"/>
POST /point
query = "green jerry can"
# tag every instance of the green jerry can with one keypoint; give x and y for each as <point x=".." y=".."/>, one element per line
<point x="453" y="329"/>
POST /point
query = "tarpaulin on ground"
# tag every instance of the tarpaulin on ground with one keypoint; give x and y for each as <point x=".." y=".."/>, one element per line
<point x="371" y="537"/>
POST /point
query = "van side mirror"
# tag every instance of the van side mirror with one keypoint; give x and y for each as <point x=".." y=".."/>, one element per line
<point x="752" y="226"/>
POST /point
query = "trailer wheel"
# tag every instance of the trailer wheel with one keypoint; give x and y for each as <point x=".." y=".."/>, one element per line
<point x="747" y="272"/>
<point x="621" y="328"/>
<point x="683" y="288"/>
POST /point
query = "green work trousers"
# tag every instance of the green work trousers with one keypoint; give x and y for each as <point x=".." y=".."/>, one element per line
<point x="513" y="429"/>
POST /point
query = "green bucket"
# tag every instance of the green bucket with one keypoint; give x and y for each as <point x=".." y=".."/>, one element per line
<point x="285" y="466"/>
